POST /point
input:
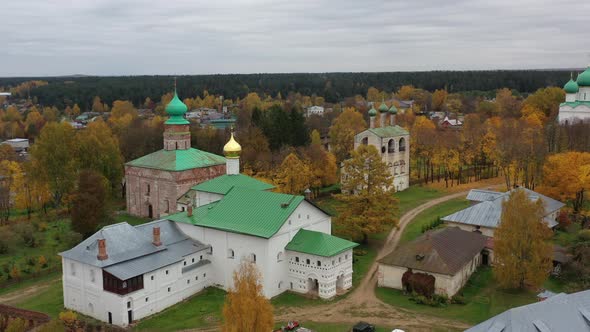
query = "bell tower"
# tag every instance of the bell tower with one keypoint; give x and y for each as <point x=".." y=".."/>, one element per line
<point x="177" y="134"/>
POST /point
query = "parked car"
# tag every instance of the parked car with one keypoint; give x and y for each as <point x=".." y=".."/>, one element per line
<point x="363" y="327"/>
<point x="292" y="325"/>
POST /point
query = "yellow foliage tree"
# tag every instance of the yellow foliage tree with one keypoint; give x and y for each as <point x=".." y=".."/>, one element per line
<point x="369" y="205"/>
<point x="342" y="132"/>
<point x="246" y="308"/>
<point x="522" y="251"/>
<point x="439" y="98"/>
<point x="406" y="92"/>
<point x="97" y="105"/>
<point x="293" y="176"/>
<point x="566" y="176"/>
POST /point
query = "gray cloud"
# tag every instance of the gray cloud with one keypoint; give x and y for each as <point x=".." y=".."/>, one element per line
<point x="120" y="37"/>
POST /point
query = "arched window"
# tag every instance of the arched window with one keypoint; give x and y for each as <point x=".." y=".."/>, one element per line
<point x="391" y="146"/>
<point x="148" y="189"/>
<point x="402" y="144"/>
<point x="280" y="256"/>
<point x="402" y="166"/>
<point x="253" y="257"/>
<point x="396" y="168"/>
<point x="230" y="253"/>
<point x="365" y="141"/>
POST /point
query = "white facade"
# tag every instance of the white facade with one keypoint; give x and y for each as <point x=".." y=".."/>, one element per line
<point x="315" y="110"/>
<point x="449" y="285"/>
<point x="229" y="249"/>
<point x="83" y="290"/>
<point x="395" y="152"/>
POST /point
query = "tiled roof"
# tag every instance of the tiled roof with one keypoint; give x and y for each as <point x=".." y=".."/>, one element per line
<point x="245" y="211"/>
<point x="488" y="213"/>
<point x="178" y="160"/>
<point x="443" y="251"/>
<point x="222" y="184"/>
<point x="317" y="243"/>
<point x="561" y="312"/>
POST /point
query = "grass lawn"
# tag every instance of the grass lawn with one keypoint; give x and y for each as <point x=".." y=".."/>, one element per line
<point x="415" y="196"/>
<point x="49" y="301"/>
<point x="201" y="310"/>
<point x="414" y="229"/>
<point x="31" y="282"/>
<point x="484" y="300"/>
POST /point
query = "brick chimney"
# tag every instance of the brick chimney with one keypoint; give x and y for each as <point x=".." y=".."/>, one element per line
<point x="189" y="211"/>
<point x="102" y="250"/>
<point x="307" y="194"/>
<point x="156" y="235"/>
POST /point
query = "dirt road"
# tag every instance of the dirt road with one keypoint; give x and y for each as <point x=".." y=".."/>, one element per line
<point x="362" y="304"/>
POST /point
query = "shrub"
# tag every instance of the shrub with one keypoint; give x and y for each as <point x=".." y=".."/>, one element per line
<point x="42" y="261"/>
<point x="69" y="319"/>
<point x="26" y="231"/>
<point x="440" y="300"/>
<point x="584" y="235"/>
<point x="7" y="240"/>
<point x="15" y="272"/>
<point x="54" y="325"/>
<point x="41" y="226"/>
<point x="432" y="225"/>
<point x="16" y="325"/>
<point x="458" y="299"/>
<point x="31" y="261"/>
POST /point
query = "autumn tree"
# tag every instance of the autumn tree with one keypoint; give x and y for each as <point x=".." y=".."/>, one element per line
<point x="342" y="132"/>
<point x="89" y="202"/>
<point x="97" y="105"/>
<point x="508" y="104"/>
<point x="76" y="111"/>
<point x="322" y="163"/>
<point x="439" y="99"/>
<point x="98" y="149"/>
<point x="293" y="176"/>
<point x="522" y="251"/>
<point x="369" y="205"/>
<point x="406" y="92"/>
<point x="246" y="308"/>
<point x="547" y="100"/>
<point x="122" y="114"/>
<point x="53" y="159"/>
<point x="566" y="176"/>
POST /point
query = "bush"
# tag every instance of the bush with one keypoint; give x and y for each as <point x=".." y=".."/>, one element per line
<point x="69" y="319"/>
<point x="26" y="231"/>
<point x="15" y="272"/>
<point x="458" y="299"/>
<point x="42" y="261"/>
<point x="584" y="235"/>
<point x="432" y="225"/>
<point x="440" y="300"/>
<point x="16" y="325"/>
<point x="7" y="240"/>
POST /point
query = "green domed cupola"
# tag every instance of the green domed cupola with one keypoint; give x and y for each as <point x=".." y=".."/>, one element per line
<point x="176" y="110"/>
<point x="584" y="78"/>
<point x="372" y="111"/>
<point x="392" y="109"/>
<point x="571" y="86"/>
<point x="383" y="108"/>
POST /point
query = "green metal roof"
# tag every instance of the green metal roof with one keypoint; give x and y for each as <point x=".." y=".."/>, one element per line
<point x="372" y="111"/>
<point x="222" y="184"/>
<point x="574" y="104"/>
<point x="176" y="109"/>
<point x="178" y="160"/>
<point x="393" y="109"/>
<point x="571" y="86"/>
<point x="383" y="108"/>
<point x="245" y="211"/>
<point x="584" y="78"/>
<point x="317" y="243"/>
<point x="389" y="131"/>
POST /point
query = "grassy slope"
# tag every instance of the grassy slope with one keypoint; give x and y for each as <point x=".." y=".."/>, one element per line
<point x="414" y="229"/>
<point x="49" y="301"/>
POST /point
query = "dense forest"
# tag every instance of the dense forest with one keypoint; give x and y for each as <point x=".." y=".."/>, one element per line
<point x="63" y="91"/>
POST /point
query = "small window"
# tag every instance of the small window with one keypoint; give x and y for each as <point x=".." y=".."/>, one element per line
<point x="307" y="261"/>
<point x="147" y="299"/>
<point x="346" y="256"/>
<point x="184" y="263"/>
<point x="308" y="217"/>
<point x="193" y="260"/>
<point x="333" y="262"/>
<point x="340" y="259"/>
<point x="230" y="253"/>
<point x="196" y="278"/>
<point x="148" y="189"/>
<point x="152" y="277"/>
<point x="73" y="269"/>
<point x="201" y="257"/>
<point x="210" y="250"/>
<point x="253" y="258"/>
<point x="319" y="263"/>
<point x="297" y="259"/>
<point x="299" y="216"/>
<point x="92" y="277"/>
<point x="166" y="272"/>
<point x="188" y="281"/>
<point x="169" y="289"/>
<point x="289" y="221"/>
<point x="128" y="304"/>
<point x="204" y="275"/>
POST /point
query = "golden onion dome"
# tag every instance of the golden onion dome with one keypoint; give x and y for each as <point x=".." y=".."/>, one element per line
<point x="232" y="149"/>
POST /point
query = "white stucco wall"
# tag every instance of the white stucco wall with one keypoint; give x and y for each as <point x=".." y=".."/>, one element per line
<point x="572" y="115"/>
<point x="86" y="296"/>
<point x="204" y="198"/>
<point x="274" y="271"/>
<point x="391" y="276"/>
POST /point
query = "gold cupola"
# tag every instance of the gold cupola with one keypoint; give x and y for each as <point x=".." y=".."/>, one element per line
<point x="232" y="149"/>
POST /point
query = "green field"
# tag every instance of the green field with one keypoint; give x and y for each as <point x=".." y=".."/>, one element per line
<point x="415" y="196"/>
<point x="201" y="310"/>
<point x="49" y="301"/>
<point x="414" y="228"/>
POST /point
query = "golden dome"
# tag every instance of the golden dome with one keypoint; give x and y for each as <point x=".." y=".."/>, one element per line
<point x="232" y="149"/>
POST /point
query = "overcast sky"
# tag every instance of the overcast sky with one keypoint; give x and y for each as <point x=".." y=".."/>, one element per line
<point x="128" y="37"/>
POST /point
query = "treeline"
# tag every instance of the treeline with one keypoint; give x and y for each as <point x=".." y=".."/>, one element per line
<point x="63" y="91"/>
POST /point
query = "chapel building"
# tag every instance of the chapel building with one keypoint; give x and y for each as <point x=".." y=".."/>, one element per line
<point x="576" y="107"/>
<point x="155" y="182"/>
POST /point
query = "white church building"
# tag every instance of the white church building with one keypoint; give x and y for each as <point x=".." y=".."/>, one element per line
<point x="123" y="273"/>
<point x="577" y="100"/>
<point x="392" y="142"/>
